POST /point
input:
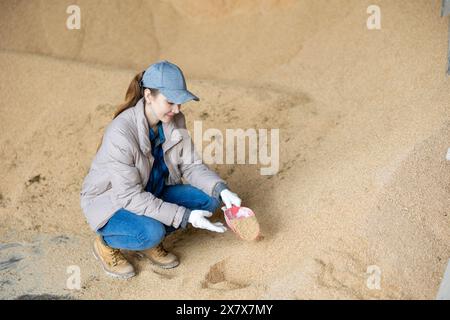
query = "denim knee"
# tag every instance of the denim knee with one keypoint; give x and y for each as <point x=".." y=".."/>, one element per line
<point x="151" y="235"/>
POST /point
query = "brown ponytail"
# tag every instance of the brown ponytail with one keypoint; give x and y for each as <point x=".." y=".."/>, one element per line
<point x="133" y="95"/>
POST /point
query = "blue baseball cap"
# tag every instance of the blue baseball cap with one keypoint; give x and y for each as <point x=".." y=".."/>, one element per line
<point x="169" y="80"/>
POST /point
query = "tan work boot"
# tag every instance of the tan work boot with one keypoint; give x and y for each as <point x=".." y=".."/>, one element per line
<point x="160" y="257"/>
<point x="112" y="260"/>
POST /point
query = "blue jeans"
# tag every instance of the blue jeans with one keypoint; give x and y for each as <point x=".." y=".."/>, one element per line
<point x="130" y="231"/>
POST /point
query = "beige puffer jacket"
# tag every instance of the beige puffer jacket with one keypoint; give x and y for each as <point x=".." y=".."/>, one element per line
<point x="121" y="169"/>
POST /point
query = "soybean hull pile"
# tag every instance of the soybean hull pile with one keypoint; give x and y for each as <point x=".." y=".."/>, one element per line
<point x="363" y="119"/>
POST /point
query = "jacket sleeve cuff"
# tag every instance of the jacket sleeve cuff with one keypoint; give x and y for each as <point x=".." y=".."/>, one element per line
<point x="218" y="188"/>
<point x="185" y="220"/>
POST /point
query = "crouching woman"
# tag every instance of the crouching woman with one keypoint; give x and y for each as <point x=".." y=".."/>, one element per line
<point x="133" y="195"/>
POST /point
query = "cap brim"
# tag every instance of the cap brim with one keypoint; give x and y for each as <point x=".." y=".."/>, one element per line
<point x="179" y="96"/>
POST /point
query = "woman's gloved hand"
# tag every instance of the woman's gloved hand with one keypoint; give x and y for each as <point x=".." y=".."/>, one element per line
<point x="198" y="220"/>
<point x="230" y="198"/>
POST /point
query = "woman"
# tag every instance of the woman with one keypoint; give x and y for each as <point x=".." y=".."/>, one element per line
<point x="133" y="195"/>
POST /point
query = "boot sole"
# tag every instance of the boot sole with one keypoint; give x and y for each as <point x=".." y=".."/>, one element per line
<point x="164" y="266"/>
<point x="114" y="275"/>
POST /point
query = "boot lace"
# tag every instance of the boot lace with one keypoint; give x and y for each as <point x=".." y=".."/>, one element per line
<point x="160" y="251"/>
<point x="116" y="257"/>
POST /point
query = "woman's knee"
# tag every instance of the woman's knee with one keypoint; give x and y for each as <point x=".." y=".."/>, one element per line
<point x="151" y="234"/>
<point x="211" y="204"/>
<point x="190" y="197"/>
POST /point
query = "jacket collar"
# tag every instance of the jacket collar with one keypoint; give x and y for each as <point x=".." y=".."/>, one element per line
<point x="171" y="135"/>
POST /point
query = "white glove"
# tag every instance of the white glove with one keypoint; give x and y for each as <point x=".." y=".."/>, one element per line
<point x="230" y="198"/>
<point x="198" y="220"/>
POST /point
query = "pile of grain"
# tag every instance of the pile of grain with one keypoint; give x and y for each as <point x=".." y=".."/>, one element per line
<point x="246" y="228"/>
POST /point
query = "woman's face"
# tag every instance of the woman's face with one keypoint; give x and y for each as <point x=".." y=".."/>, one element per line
<point x="163" y="109"/>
